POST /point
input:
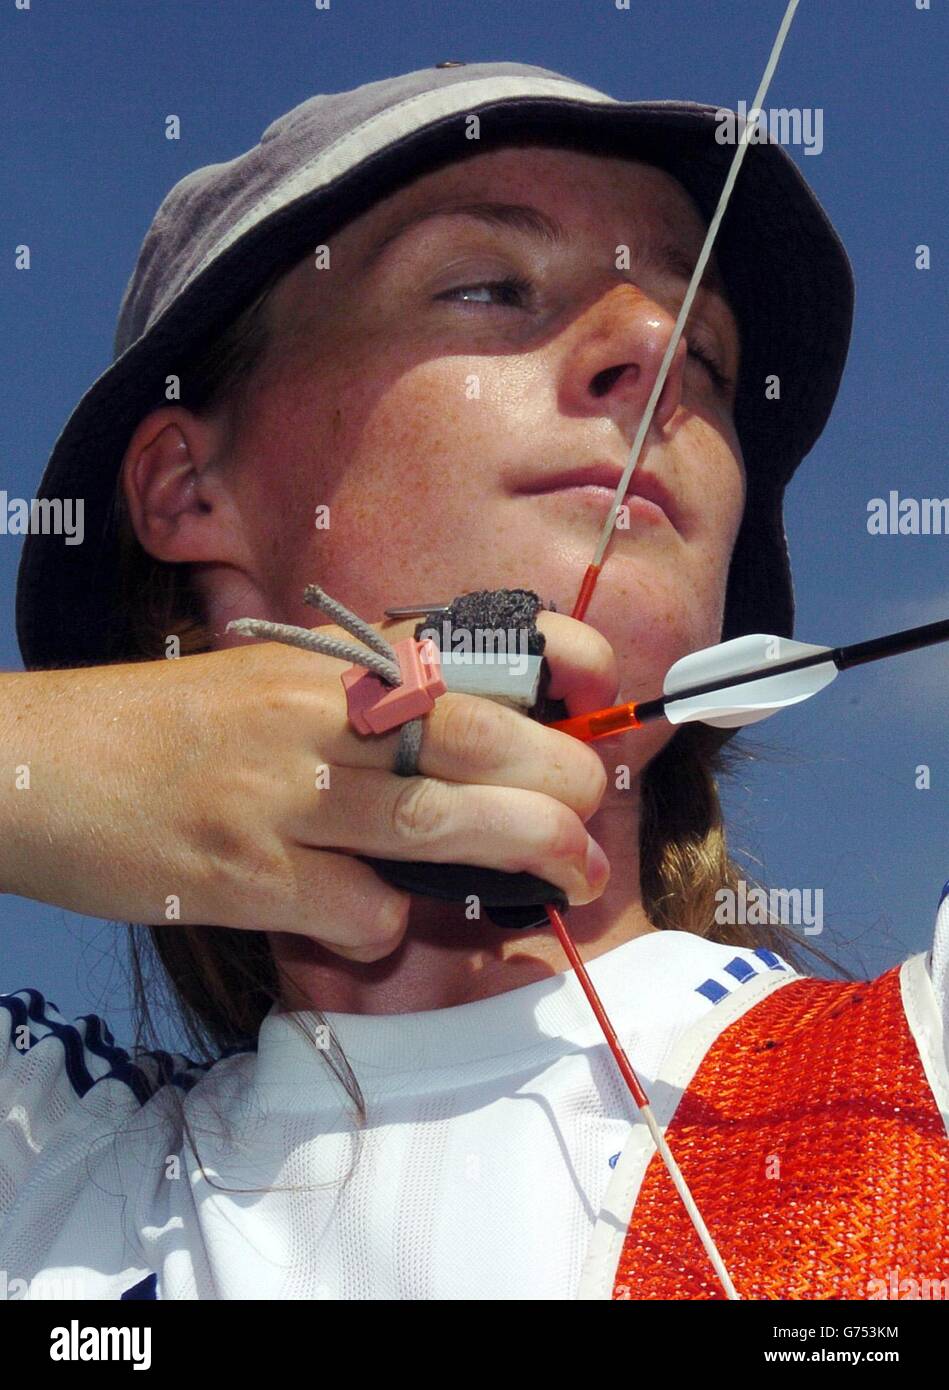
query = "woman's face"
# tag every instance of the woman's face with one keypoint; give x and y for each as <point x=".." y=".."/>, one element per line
<point x="443" y="417"/>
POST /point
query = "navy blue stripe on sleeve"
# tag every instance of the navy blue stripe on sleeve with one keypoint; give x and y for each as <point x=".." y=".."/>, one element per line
<point x="42" y="1019"/>
<point x="145" y="1288"/>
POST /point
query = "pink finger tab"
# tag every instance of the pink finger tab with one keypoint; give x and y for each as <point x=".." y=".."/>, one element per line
<point x="375" y="707"/>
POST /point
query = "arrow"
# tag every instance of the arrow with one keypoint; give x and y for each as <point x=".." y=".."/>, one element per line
<point x="746" y="679"/>
<point x="734" y="683"/>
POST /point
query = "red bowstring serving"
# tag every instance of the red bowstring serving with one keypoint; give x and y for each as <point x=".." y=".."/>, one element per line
<point x="609" y="1032"/>
<point x="560" y="926"/>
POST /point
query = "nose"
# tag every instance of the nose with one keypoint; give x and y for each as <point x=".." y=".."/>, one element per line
<point x="620" y="343"/>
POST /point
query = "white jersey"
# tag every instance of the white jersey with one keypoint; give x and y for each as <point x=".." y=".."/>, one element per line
<point x="492" y="1134"/>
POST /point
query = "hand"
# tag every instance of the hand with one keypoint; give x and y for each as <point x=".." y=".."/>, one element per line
<point x="229" y="788"/>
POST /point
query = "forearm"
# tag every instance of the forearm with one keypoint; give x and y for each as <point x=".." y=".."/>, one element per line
<point x="58" y="734"/>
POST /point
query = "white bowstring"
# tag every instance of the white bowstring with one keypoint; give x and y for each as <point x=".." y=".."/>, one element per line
<point x="623" y="484"/>
<point x="690" y="1204"/>
<point x="665" y="1153"/>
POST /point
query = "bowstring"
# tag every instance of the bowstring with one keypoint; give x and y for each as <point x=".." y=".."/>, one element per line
<point x="583" y="598"/>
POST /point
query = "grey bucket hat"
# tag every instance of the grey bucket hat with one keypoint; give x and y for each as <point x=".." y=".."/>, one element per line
<point x="225" y="229"/>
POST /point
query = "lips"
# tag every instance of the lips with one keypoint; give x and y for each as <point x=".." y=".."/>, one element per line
<point x="607" y="475"/>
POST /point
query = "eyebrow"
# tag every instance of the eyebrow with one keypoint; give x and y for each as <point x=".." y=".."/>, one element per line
<point x="523" y="217"/>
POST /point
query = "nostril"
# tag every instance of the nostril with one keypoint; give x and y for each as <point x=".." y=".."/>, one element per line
<point x="604" y="380"/>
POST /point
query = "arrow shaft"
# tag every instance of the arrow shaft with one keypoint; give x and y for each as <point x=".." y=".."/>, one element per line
<point x="893" y="644"/>
<point x="619" y="719"/>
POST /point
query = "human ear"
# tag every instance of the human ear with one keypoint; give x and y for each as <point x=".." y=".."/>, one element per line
<point x="179" y="501"/>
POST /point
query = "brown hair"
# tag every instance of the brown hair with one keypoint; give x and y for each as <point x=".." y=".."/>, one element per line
<point x="220" y="982"/>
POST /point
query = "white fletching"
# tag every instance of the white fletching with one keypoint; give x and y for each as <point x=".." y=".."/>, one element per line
<point x="751" y="700"/>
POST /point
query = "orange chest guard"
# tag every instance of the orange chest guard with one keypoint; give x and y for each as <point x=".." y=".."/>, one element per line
<point x="816" y="1151"/>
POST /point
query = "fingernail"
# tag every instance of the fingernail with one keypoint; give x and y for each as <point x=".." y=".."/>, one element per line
<point x="597" y="865"/>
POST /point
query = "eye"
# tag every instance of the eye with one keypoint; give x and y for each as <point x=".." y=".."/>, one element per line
<point x="722" y="382"/>
<point x="516" y="288"/>
<point x="513" y="286"/>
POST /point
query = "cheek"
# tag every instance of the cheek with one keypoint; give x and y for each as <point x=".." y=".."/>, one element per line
<point x="399" y="454"/>
<point x="712" y="482"/>
<point x="713" y="477"/>
<point x="417" y="444"/>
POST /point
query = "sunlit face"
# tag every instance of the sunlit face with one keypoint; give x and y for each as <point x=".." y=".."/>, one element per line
<point x="453" y="387"/>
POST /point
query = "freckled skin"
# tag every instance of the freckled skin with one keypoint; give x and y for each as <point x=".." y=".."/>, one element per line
<point x="361" y="403"/>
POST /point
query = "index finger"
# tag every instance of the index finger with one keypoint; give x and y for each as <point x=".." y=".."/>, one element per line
<point x="584" y="672"/>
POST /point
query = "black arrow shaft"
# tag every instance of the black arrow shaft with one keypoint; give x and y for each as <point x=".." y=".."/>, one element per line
<point x="906" y="641"/>
<point x="894" y="643"/>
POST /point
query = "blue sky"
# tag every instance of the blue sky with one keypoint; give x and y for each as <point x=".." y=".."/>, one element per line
<point x="831" y="800"/>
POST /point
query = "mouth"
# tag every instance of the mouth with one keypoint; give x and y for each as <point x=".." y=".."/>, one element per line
<point x="646" y="496"/>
